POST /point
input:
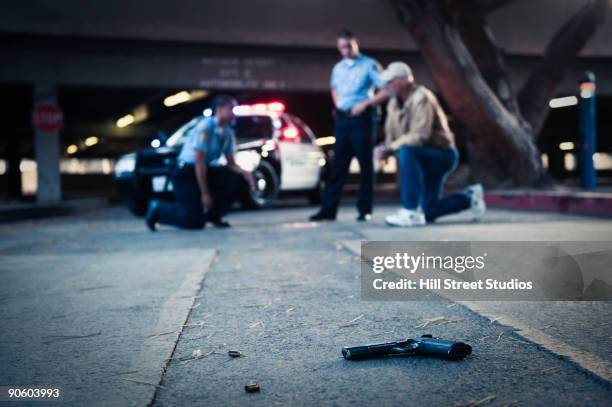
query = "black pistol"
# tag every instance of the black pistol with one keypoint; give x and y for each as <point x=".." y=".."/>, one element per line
<point x="426" y="345"/>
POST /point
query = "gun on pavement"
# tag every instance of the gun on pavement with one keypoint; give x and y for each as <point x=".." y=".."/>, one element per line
<point x="426" y="345"/>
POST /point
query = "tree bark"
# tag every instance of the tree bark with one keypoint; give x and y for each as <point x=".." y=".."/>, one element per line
<point x="562" y="49"/>
<point x="469" y="70"/>
<point x="480" y="7"/>
<point x="489" y="58"/>
<point x="501" y="148"/>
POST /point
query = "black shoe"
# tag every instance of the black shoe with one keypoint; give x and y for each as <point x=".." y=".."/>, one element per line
<point x="152" y="216"/>
<point x="364" y="217"/>
<point x="220" y="223"/>
<point x="217" y="220"/>
<point x="322" y="216"/>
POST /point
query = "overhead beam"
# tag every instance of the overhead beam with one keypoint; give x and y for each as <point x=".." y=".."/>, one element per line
<point x="96" y="62"/>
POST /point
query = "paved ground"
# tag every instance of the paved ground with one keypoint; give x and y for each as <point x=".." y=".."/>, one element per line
<point x="92" y="300"/>
<point x="89" y="318"/>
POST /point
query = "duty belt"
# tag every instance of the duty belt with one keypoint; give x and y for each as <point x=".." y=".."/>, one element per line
<point x="184" y="164"/>
<point x="347" y="113"/>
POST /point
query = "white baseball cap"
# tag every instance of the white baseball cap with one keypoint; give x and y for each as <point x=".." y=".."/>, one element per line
<point x="395" y="70"/>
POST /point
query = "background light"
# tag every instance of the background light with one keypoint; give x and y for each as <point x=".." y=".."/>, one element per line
<point x="242" y="110"/>
<point x="276" y="107"/>
<point x="602" y="161"/>
<point x="569" y="161"/>
<point x="91" y="141"/>
<point x="72" y="148"/>
<point x="125" y="121"/>
<point x="272" y="108"/>
<point x="566" y="146"/>
<point x="325" y="141"/>
<point x="177" y="99"/>
<point x="184" y="96"/>
<point x="290" y="132"/>
<point x="260" y="108"/>
<point x="587" y="90"/>
<point x="27" y="165"/>
<point x="563" y="102"/>
<point x="545" y="161"/>
<point x="586" y="93"/>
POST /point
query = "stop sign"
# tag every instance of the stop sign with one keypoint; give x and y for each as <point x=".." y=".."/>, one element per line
<point x="47" y="117"/>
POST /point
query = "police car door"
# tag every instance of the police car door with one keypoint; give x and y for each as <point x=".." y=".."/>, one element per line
<point x="301" y="160"/>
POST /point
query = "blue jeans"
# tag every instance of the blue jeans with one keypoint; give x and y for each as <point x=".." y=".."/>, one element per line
<point x="225" y="186"/>
<point x="423" y="171"/>
<point x="355" y="137"/>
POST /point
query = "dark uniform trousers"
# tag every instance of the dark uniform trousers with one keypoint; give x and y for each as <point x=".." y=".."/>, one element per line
<point x="225" y="187"/>
<point x="355" y="137"/>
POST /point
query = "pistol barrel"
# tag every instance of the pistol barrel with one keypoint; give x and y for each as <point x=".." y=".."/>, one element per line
<point x="378" y="350"/>
<point x="371" y="351"/>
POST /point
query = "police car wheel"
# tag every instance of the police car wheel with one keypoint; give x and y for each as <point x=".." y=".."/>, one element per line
<point x="267" y="187"/>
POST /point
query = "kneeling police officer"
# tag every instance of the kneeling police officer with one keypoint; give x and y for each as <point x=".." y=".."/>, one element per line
<point x="205" y="188"/>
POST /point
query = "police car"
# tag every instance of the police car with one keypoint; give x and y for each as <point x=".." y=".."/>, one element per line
<point x="277" y="147"/>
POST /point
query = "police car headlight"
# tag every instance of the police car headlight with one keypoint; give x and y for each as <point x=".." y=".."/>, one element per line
<point x="125" y="165"/>
<point x="247" y="160"/>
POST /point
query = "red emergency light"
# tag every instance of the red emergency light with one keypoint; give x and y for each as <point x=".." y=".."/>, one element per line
<point x="290" y="133"/>
<point x="277" y="107"/>
<point x="259" y="109"/>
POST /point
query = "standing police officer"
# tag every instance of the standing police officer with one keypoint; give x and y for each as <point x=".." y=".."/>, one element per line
<point x="353" y="81"/>
<point x="204" y="188"/>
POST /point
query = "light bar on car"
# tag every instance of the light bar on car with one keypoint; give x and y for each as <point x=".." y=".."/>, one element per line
<point x="259" y="109"/>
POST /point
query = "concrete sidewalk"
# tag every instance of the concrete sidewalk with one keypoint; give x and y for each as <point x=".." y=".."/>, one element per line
<point x="290" y="300"/>
<point x="98" y="321"/>
<point x="286" y="293"/>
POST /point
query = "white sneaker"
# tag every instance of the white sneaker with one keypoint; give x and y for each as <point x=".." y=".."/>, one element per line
<point x="406" y="218"/>
<point x="478" y="205"/>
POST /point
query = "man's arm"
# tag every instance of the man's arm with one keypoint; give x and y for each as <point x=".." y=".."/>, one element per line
<point x="380" y="97"/>
<point x="333" y="83"/>
<point x="231" y="164"/>
<point x="202" y="178"/>
<point x="334" y="97"/>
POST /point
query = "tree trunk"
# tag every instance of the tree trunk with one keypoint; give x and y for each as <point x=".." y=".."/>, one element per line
<point x="469" y="70"/>
<point x="562" y="49"/>
<point x="501" y="148"/>
<point x="489" y="58"/>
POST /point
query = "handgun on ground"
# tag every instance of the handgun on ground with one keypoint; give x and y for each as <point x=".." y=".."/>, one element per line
<point x="426" y="345"/>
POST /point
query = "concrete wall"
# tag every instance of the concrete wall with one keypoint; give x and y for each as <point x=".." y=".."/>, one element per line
<point x="177" y="65"/>
<point x="240" y="44"/>
<point x="523" y="27"/>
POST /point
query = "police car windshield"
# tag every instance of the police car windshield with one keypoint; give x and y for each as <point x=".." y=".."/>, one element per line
<point x="177" y="139"/>
<point x="247" y="128"/>
<point x="252" y="128"/>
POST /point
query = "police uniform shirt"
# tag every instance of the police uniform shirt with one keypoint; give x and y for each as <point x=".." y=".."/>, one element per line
<point x="354" y="80"/>
<point x="210" y="138"/>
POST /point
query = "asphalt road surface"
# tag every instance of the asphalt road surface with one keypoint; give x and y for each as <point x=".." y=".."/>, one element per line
<point x="113" y="314"/>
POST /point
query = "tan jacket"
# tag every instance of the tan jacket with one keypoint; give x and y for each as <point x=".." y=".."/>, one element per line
<point x="420" y="122"/>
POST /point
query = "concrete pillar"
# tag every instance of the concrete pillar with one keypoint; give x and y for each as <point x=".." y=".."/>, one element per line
<point x="47" y="151"/>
